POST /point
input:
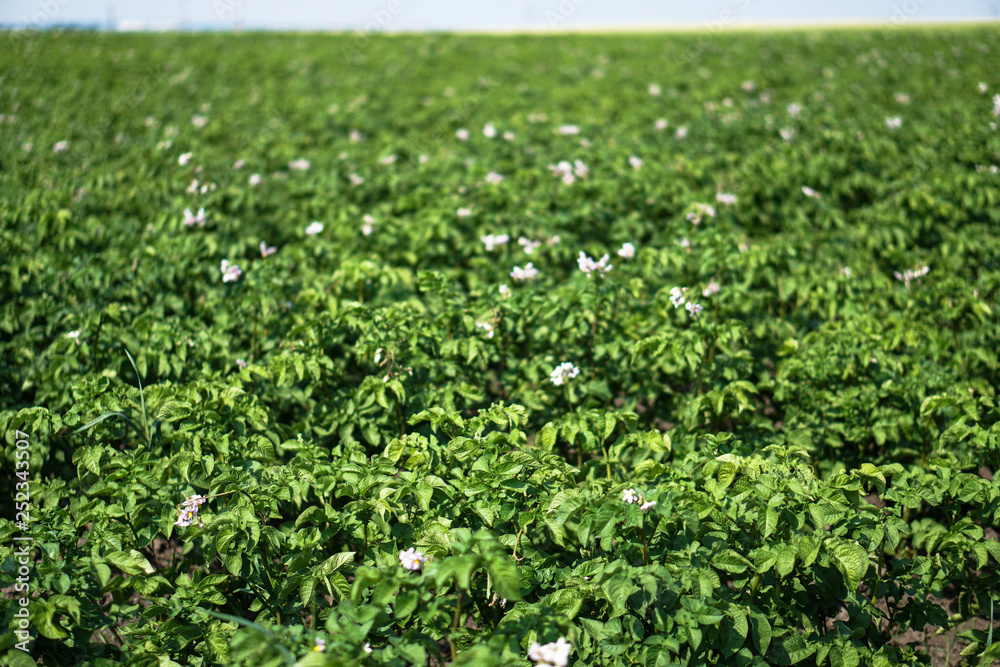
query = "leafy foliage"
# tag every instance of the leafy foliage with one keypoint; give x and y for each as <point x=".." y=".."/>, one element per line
<point x="228" y="471"/>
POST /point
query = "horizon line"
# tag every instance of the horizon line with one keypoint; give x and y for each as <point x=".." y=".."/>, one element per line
<point x="170" y="26"/>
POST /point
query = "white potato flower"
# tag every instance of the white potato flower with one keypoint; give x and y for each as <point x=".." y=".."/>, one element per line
<point x="588" y="264"/>
<point x="529" y="272"/>
<point x="677" y="296"/>
<point x="412" y="560"/>
<point x="190" y="219"/>
<point x="188" y="510"/>
<point x="491" y="241"/>
<point x="563" y="372"/>
<point x="553" y="654"/>
<point x="230" y="272"/>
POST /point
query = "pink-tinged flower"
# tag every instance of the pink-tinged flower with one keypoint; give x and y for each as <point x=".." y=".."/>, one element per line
<point x="74" y="336"/>
<point x="725" y="198"/>
<point x="794" y="109"/>
<point x="902" y="98"/>
<point x="462" y="134"/>
<point x="684" y="243"/>
<point x="528" y="245"/>
<point x="646" y="506"/>
<point x="60" y="146"/>
<point x="567" y="130"/>
<point x="996" y="105"/>
<point x="569" y="172"/>
<point x="508" y="136"/>
<point x="700" y="210"/>
<point x="355" y="179"/>
<point x="266" y="250"/>
<point x="660" y="124"/>
<point x="184" y="159"/>
<point x="388" y="159"/>
<point x="681" y="132"/>
<point x="368" y="224"/>
<point x="190" y="219"/>
<point x="529" y="272"/>
<point x="748" y="86"/>
<point x="630" y="496"/>
<point x="563" y="170"/>
<point x="238" y="164"/>
<point x="489" y="131"/>
<point x="314" y="228"/>
<point x="712" y="289"/>
<point x="563" y="372"/>
<point x="198" y="120"/>
<point x="356" y="137"/>
<point x="463" y="212"/>
<point x="627" y="251"/>
<point x="588" y="265"/>
<point x="809" y="192"/>
<point x="846" y="272"/>
<point x="300" y="164"/>
<point x="320" y="646"/>
<point x="493" y="178"/>
<point x="27" y="146"/>
<point x="189" y="511"/>
<point x="981" y="87"/>
<point x="894" y="122"/>
<point x="412" y="560"/>
<point x="254" y="180"/>
<point x="693" y="308"/>
<point x="655" y="90"/>
<point x="553" y="654"/>
<point x="787" y="133"/>
<point x="493" y="240"/>
<point x="504" y="291"/>
<point x="635" y="162"/>
<point x="230" y="272"/>
<point x="241" y="363"/>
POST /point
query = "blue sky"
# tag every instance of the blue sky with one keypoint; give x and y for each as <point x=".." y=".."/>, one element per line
<point x="402" y="15"/>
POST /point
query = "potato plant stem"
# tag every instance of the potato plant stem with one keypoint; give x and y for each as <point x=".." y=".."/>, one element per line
<point x="593" y="326"/>
<point x="454" y="625"/>
<point x="645" y="542"/>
